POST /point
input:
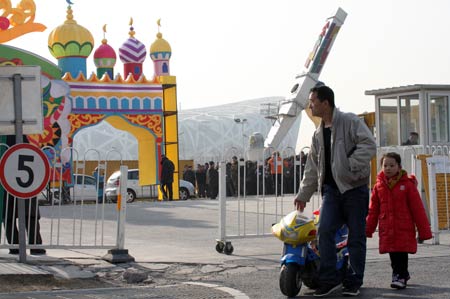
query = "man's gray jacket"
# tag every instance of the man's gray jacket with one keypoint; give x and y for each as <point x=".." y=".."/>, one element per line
<point x="352" y="148"/>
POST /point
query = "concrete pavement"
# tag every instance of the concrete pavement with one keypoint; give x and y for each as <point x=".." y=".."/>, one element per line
<point x="173" y="240"/>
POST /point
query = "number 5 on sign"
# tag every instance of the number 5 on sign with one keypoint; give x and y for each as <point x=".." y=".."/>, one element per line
<point x="24" y="170"/>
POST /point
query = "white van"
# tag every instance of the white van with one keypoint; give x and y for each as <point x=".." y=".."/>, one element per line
<point x="135" y="191"/>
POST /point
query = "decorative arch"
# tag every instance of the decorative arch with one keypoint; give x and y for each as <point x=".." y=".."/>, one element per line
<point x="147" y="129"/>
<point x="147" y="148"/>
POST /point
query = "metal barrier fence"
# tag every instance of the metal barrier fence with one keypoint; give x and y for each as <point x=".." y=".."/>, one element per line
<point x="79" y="219"/>
<point x="251" y="213"/>
<point x="262" y="198"/>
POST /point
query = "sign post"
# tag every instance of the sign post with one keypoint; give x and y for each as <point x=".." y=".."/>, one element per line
<point x="33" y="125"/>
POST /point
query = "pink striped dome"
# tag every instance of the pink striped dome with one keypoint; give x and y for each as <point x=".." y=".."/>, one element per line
<point x="132" y="51"/>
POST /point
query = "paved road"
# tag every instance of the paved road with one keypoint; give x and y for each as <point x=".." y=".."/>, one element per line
<point x="162" y="292"/>
<point x="184" y="233"/>
<point x="429" y="280"/>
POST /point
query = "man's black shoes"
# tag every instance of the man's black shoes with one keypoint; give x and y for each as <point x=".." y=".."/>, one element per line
<point x="327" y="289"/>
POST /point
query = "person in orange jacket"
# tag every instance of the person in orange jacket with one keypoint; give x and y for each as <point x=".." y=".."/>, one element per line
<point x="397" y="209"/>
<point x="275" y="164"/>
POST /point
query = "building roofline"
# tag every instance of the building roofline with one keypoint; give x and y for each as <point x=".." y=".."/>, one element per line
<point x="406" y="88"/>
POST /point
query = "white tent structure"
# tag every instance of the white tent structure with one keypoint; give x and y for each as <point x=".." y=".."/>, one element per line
<point x="209" y="133"/>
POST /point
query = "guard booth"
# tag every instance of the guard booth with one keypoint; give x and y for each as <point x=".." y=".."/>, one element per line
<point x="420" y="111"/>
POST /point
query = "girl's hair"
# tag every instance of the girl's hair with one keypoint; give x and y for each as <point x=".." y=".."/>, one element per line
<point x="392" y="155"/>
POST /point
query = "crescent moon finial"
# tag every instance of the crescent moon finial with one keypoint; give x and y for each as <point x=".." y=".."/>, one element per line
<point x="131" y="22"/>
<point x="69" y="2"/>
<point x="104" y="34"/>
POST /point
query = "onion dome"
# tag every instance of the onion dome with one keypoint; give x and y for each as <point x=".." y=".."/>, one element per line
<point x="132" y="50"/>
<point x="160" y="53"/>
<point x="70" y="39"/>
<point x="160" y="45"/>
<point x="105" y="56"/>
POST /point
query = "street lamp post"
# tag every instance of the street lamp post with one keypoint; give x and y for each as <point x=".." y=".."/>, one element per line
<point x="242" y="122"/>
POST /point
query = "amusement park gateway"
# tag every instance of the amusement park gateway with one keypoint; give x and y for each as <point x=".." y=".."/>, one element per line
<point x="412" y="120"/>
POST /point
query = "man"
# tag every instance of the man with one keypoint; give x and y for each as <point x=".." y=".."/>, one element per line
<point x="234" y="175"/>
<point x="166" y="180"/>
<point x="100" y="183"/>
<point x="413" y="139"/>
<point x="212" y="180"/>
<point x="338" y="166"/>
<point x="200" y="178"/>
<point x="276" y="171"/>
<point x="189" y="174"/>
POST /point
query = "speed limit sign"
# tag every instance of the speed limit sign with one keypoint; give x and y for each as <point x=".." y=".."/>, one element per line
<point x="24" y="170"/>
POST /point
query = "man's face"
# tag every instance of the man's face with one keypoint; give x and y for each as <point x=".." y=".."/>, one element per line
<point x="317" y="107"/>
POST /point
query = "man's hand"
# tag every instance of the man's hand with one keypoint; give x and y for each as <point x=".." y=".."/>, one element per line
<point x="299" y="205"/>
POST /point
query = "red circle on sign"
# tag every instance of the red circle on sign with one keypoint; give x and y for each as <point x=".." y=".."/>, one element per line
<point x="4" y="179"/>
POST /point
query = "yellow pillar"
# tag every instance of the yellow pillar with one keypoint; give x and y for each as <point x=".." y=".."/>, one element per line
<point x="170" y="138"/>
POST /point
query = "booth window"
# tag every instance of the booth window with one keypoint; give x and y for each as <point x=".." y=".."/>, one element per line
<point x="409" y="116"/>
<point x="388" y="121"/>
<point x="438" y="118"/>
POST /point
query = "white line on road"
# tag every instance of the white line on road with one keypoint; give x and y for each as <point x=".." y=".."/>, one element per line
<point x="233" y="292"/>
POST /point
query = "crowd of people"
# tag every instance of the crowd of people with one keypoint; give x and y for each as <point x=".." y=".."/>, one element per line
<point x="205" y="178"/>
<point x="246" y="177"/>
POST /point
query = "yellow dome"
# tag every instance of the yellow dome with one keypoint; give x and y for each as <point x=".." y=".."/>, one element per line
<point x="70" y="39"/>
<point x="160" y="45"/>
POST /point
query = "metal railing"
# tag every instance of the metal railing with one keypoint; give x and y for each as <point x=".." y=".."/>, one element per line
<point x="80" y="219"/>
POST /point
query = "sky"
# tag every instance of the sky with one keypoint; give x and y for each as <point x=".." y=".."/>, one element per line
<point x="234" y="50"/>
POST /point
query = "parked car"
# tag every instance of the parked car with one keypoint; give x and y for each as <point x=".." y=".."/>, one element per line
<point x="134" y="190"/>
<point x="84" y="188"/>
<point x="186" y="190"/>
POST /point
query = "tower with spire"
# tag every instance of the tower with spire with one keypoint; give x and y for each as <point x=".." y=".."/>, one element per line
<point x="105" y="58"/>
<point x="132" y="53"/>
<point x="71" y="44"/>
<point x="160" y="52"/>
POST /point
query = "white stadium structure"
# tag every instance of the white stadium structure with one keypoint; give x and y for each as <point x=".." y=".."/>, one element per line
<point x="210" y="133"/>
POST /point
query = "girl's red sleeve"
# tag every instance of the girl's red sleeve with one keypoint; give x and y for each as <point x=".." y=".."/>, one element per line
<point x="418" y="213"/>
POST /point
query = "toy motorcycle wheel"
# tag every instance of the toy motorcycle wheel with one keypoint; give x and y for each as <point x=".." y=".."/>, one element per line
<point x="290" y="282"/>
<point x="220" y="246"/>
<point x="228" y="248"/>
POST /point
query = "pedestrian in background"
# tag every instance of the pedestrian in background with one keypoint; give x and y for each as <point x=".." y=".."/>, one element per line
<point x="200" y="179"/>
<point x="212" y="180"/>
<point x="100" y="178"/>
<point x="275" y="164"/>
<point x="338" y="166"/>
<point x="397" y="209"/>
<point x="206" y="179"/>
<point x="189" y="174"/>
<point x="234" y="174"/>
<point x="166" y="180"/>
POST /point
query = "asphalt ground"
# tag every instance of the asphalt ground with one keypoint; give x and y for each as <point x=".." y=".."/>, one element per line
<point x="185" y="233"/>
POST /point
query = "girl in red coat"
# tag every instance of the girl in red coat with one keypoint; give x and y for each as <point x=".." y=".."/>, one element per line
<point x="397" y="208"/>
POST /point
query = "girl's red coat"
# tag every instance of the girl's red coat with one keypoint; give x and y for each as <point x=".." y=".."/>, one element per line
<point x="397" y="211"/>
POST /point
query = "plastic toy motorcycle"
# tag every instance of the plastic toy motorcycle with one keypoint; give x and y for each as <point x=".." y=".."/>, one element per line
<point x="300" y="258"/>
